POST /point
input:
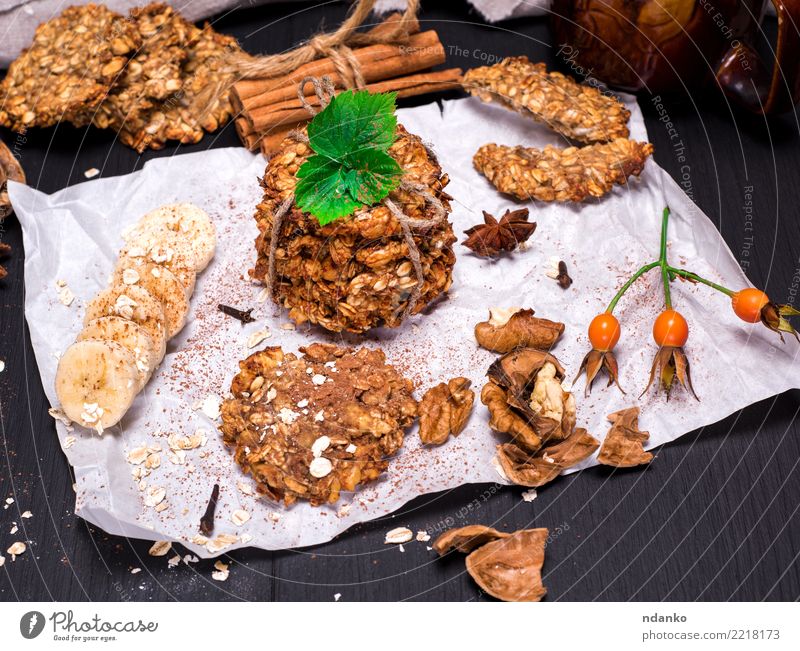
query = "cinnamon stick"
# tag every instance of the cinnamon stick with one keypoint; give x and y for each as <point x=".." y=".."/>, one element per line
<point x="249" y="138"/>
<point x="246" y="88"/>
<point x="377" y="62"/>
<point x="291" y="112"/>
<point x="271" y="141"/>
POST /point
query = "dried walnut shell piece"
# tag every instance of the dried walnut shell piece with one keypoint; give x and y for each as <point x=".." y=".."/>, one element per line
<point x="510" y="568"/>
<point x="534" y="470"/>
<point x="553" y="174"/>
<point x="622" y="447"/>
<point x="444" y="410"/>
<point x="466" y="539"/>
<point x="574" y="110"/>
<point x="512" y="328"/>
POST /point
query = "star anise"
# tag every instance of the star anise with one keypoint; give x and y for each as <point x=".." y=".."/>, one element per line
<point x="493" y="236"/>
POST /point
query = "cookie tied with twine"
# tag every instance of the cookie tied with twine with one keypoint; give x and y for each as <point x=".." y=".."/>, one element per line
<point x="376" y="267"/>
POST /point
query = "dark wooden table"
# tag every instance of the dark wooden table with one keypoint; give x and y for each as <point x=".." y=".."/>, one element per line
<point x="714" y="517"/>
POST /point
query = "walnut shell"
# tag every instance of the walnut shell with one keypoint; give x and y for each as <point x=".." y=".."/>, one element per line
<point x="510" y="568"/>
<point x="520" y="330"/>
<point x="622" y="447"/>
<point x="466" y="539"/>
<point x="534" y="470"/>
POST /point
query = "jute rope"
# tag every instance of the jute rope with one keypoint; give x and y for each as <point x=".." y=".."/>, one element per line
<point x="335" y="45"/>
<point x="323" y="88"/>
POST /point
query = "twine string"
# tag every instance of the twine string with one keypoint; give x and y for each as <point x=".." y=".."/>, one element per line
<point x="335" y="45"/>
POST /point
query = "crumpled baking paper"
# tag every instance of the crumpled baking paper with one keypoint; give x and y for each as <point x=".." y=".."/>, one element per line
<point x="74" y="235"/>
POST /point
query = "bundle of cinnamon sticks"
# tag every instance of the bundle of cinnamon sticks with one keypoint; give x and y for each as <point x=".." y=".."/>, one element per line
<point x="269" y="108"/>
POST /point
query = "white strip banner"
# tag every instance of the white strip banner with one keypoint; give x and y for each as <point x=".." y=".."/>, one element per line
<point x="388" y="626"/>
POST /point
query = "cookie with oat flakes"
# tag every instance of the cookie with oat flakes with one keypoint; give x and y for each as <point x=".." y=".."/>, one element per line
<point x="154" y="72"/>
<point x="68" y="69"/>
<point x="181" y="116"/>
<point x="312" y="426"/>
<point x="578" y="111"/>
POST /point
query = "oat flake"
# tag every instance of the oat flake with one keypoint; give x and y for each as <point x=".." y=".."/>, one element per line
<point x="160" y="548"/>
<point x="398" y="536"/>
<point x="239" y="517"/>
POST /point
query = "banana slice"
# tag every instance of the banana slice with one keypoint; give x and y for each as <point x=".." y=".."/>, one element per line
<point x="96" y="383"/>
<point x="190" y="221"/>
<point x="130" y="335"/>
<point x="169" y="250"/>
<point x="135" y="304"/>
<point x="162" y="284"/>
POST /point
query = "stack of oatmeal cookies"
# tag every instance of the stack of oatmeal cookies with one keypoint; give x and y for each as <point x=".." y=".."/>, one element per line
<point x="141" y="74"/>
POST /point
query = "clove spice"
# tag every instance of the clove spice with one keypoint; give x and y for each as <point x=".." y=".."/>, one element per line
<point x="563" y="278"/>
<point x="242" y="315"/>
<point x="207" y="521"/>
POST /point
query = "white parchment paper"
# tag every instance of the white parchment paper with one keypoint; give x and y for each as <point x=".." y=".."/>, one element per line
<point x="74" y="235"/>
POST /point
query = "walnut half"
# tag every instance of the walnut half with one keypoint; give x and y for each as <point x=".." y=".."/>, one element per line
<point x="525" y="398"/>
<point x="512" y="328"/>
<point x="444" y="410"/>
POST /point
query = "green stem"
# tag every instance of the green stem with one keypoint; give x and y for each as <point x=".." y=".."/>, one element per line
<point x="628" y="284"/>
<point x="664" y="221"/>
<point x="693" y="276"/>
<point x="662" y="258"/>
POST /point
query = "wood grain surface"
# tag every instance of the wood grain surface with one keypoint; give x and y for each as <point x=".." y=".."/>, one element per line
<point x="714" y="517"/>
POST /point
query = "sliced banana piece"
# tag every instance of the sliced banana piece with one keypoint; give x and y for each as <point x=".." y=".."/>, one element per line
<point x="96" y="382"/>
<point x="135" y="304"/>
<point x="162" y="284"/>
<point x="130" y="335"/>
<point x="169" y="251"/>
<point x="163" y="243"/>
<point x="190" y="221"/>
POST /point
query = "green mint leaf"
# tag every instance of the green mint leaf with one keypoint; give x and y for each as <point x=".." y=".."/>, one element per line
<point x="329" y="190"/>
<point x="322" y="189"/>
<point x="354" y="120"/>
<point x="351" y="166"/>
<point x="375" y="175"/>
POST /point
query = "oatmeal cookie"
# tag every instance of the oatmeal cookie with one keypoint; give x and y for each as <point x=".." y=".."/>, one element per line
<point x="181" y="115"/>
<point x="310" y="427"/>
<point x="553" y="174"/>
<point x="68" y="69"/>
<point x="154" y="72"/>
<point x="579" y="112"/>
<point x="354" y="273"/>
